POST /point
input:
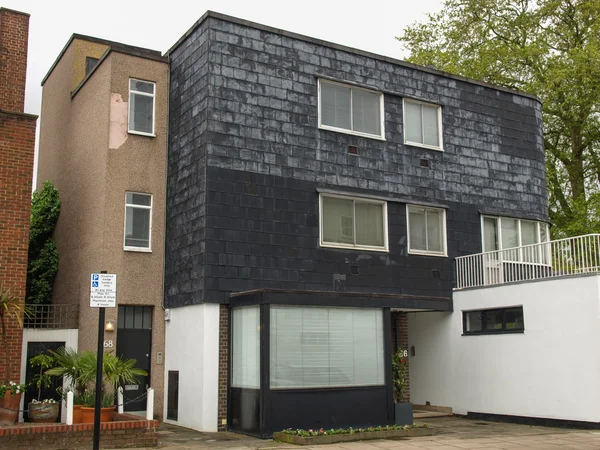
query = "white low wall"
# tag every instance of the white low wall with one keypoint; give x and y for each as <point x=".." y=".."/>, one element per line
<point x="552" y="370"/>
<point x="68" y="336"/>
<point x="192" y="348"/>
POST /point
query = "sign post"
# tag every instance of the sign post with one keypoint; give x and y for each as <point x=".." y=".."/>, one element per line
<point x="103" y="294"/>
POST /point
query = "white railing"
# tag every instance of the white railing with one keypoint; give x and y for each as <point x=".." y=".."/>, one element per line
<point x="570" y="256"/>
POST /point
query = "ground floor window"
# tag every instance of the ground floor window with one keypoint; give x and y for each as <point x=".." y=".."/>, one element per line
<point x="313" y="347"/>
<point x="245" y="358"/>
<point x="494" y="321"/>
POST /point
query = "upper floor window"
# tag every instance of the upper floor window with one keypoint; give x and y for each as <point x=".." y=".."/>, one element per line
<point x="501" y="233"/>
<point x="141" y="107"/>
<point x="350" y="109"/>
<point x="426" y="230"/>
<point x="348" y="222"/>
<point x="138" y="221"/>
<point x="422" y="124"/>
<point x="90" y="63"/>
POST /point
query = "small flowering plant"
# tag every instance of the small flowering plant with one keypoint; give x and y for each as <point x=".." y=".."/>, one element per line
<point x="400" y="374"/>
<point x="333" y="431"/>
<point x="12" y="387"/>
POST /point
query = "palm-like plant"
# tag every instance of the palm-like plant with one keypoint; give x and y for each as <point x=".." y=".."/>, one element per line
<point x="11" y="308"/>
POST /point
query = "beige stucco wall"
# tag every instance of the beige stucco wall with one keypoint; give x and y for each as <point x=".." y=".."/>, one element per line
<point x="93" y="178"/>
<point x="82" y="49"/>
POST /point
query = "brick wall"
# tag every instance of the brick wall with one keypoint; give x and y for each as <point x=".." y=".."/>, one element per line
<point x="14" y="30"/>
<point x="223" y="365"/>
<point x="17" y="141"/>
<point x="400" y="341"/>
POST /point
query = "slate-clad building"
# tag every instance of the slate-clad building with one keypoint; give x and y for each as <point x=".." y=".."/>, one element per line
<point x="316" y="194"/>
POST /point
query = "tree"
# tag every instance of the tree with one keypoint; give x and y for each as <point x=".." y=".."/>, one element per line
<point x="550" y="48"/>
<point x="43" y="254"/>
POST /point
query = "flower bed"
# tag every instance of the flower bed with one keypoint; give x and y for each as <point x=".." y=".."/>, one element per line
<point x="321" y="436"/>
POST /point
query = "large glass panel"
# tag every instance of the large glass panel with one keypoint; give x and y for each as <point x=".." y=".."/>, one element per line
<point x="369" y="224"/>
<point x="417" y="229"/>
<point x="431" y="135"/>
<point x="510" y="233"/>
<point x="246" y="347"/>
<point x="365" y="112"/>
<point x="335" y="105"/>
<point x="413" y="122"/>
<point x="493" y="319"/>
<point x="141" y="86"/>
<point x="141" y="113"/>
<point x="138" y="199"/>
<point x="338" y="220"/>
<point x="490" y="234"/>
<point x="435" y="230"/>
<point x="286" y="347"/>
<point x="528" y="232"/>
<point x="137" y="227"/>
<point x="514" y="318"/>
<point x="472" y="321"/>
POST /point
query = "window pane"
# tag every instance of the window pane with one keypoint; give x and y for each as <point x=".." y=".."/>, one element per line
<point x="341" y="347"/>
<point x="137" y="227"/>
<point x="138" y="199"/>
<point x="369" y="224"/>
<point x="472" y="321"/>
<point x="246" y="347"/>
<point x="544" y="232"/>
<point x="514" y="318"/>
<point x="510" y="233"/>
<point x="90" y="63"/>
<point x="417" y="230"/>
<point x="142" y="86"/>
<point x="141" y="113"/>
<point x="315" y="347"/>
<point x="490" y="234"/>
<point x="335" y="105"/>
<point x="430" y="125"/>
<point x="365" y="112"/>
<point x="412" y="122"/>
<point x="338" y="220"/>
<point x="435" y="239"/>
<point x="528" y="232"/>
<point x="147" y="322"/>
<point x="493" y="319"/>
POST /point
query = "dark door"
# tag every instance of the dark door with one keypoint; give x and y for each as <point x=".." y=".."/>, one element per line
<point x="34" y="349"/>
<point x="134" y="340"/>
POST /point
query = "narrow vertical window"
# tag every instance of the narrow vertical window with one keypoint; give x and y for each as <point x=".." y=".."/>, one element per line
<point x="141" y="107"/>
<point x="138" y="221"/>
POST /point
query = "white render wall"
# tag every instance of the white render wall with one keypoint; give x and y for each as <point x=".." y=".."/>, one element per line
<point x="192" y="348"/>
<point x="550" y="371"/>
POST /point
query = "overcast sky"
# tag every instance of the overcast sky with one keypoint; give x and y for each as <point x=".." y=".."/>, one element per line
<point x="370" y="25"/>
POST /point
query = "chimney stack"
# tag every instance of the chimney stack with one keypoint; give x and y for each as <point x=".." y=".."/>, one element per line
<point x="14" y="33"/>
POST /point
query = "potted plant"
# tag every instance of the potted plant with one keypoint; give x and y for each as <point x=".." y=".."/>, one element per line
<point x="42" y="410"/>
<point x="403" y="409"/>
<point x="10" y="392"/>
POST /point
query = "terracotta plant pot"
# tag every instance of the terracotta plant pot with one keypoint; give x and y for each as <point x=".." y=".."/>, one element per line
<point x="77" y="413"/>
<point x="43" y="412"/>
<point x="106" y="414"/>
<point x="9" y="408"/>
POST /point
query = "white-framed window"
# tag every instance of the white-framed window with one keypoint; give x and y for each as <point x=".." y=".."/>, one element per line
<point x="422" y="124"/>
<point x="426" y="230"/>
<point x="138" y="222"/>
<point x="350" y="222"/>
<point x="349" y="109"/>
<point x="503" y="233"/>
<point x="141" y="107"/>
<point x="315" y="347"/>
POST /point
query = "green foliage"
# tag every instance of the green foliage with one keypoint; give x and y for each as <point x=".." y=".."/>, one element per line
<point x="10" y="309"/>
<point x="43" y="255"/>
<point x="334" y="431"/>
<point x="399" y="374"/>
<point x="40" y="379"/>
<point x="550" y="48"/>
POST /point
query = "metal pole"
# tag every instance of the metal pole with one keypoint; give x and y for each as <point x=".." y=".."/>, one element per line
<point x="99" y="358"/>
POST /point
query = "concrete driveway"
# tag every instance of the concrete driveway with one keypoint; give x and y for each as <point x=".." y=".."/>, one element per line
<point x="454" y="434"/>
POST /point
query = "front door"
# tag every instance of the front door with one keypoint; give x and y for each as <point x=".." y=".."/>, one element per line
<point x="34" y="349"/>
<point x="134" y="340"/>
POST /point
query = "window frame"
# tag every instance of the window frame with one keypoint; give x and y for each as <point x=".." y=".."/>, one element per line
<point x="384" y="213"/>
<point x="133" y="205"/>
<point x="380" y="137"/>
<point x="146" y="94"/>
<point x="492" y="331"/>
<point x="444" y="232"/>
<point x="439" y="119"/>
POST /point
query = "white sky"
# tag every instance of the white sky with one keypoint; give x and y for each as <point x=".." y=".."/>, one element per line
<point x="157" y="25"/>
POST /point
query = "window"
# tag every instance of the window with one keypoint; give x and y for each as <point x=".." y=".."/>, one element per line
<point x="90" y="63"/>
<point x="245" y="348"/>
<point x="348" y="222"/>
<point x="422" y="124"/>
<point x="494" y="321"/>
<point x="501" y="233"/>
<point x="426" y="230"/>
<point x="350" y="109"/>
<point x="138" y="221"/>
<point x="141" y="107"/>
<point x="312" y="347"/>
<point x="134" y="318"/>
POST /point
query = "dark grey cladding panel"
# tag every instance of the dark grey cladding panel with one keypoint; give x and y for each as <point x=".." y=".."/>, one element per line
<point x="244" y="104"/>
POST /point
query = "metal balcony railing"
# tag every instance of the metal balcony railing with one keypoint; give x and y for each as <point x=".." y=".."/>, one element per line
<point x="52" y="317"/>
<point x="570" y="256"/>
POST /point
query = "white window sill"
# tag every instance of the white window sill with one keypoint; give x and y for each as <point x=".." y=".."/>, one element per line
<point x="354" y="247"/>
<point x="137" y="249"/>
<point x="425" y="253"/>
<point x="353" y="133"/>
<point x="141" y="133"/>
<point x="428" y="147"/>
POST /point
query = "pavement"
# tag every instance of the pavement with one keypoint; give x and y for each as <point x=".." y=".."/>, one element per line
<point x="454" y="433"/>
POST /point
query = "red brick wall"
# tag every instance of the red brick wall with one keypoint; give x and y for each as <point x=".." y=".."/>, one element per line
<point x="17" y="141"/>
<point x="223" y="365"/>
<point x="400" y="337"/>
